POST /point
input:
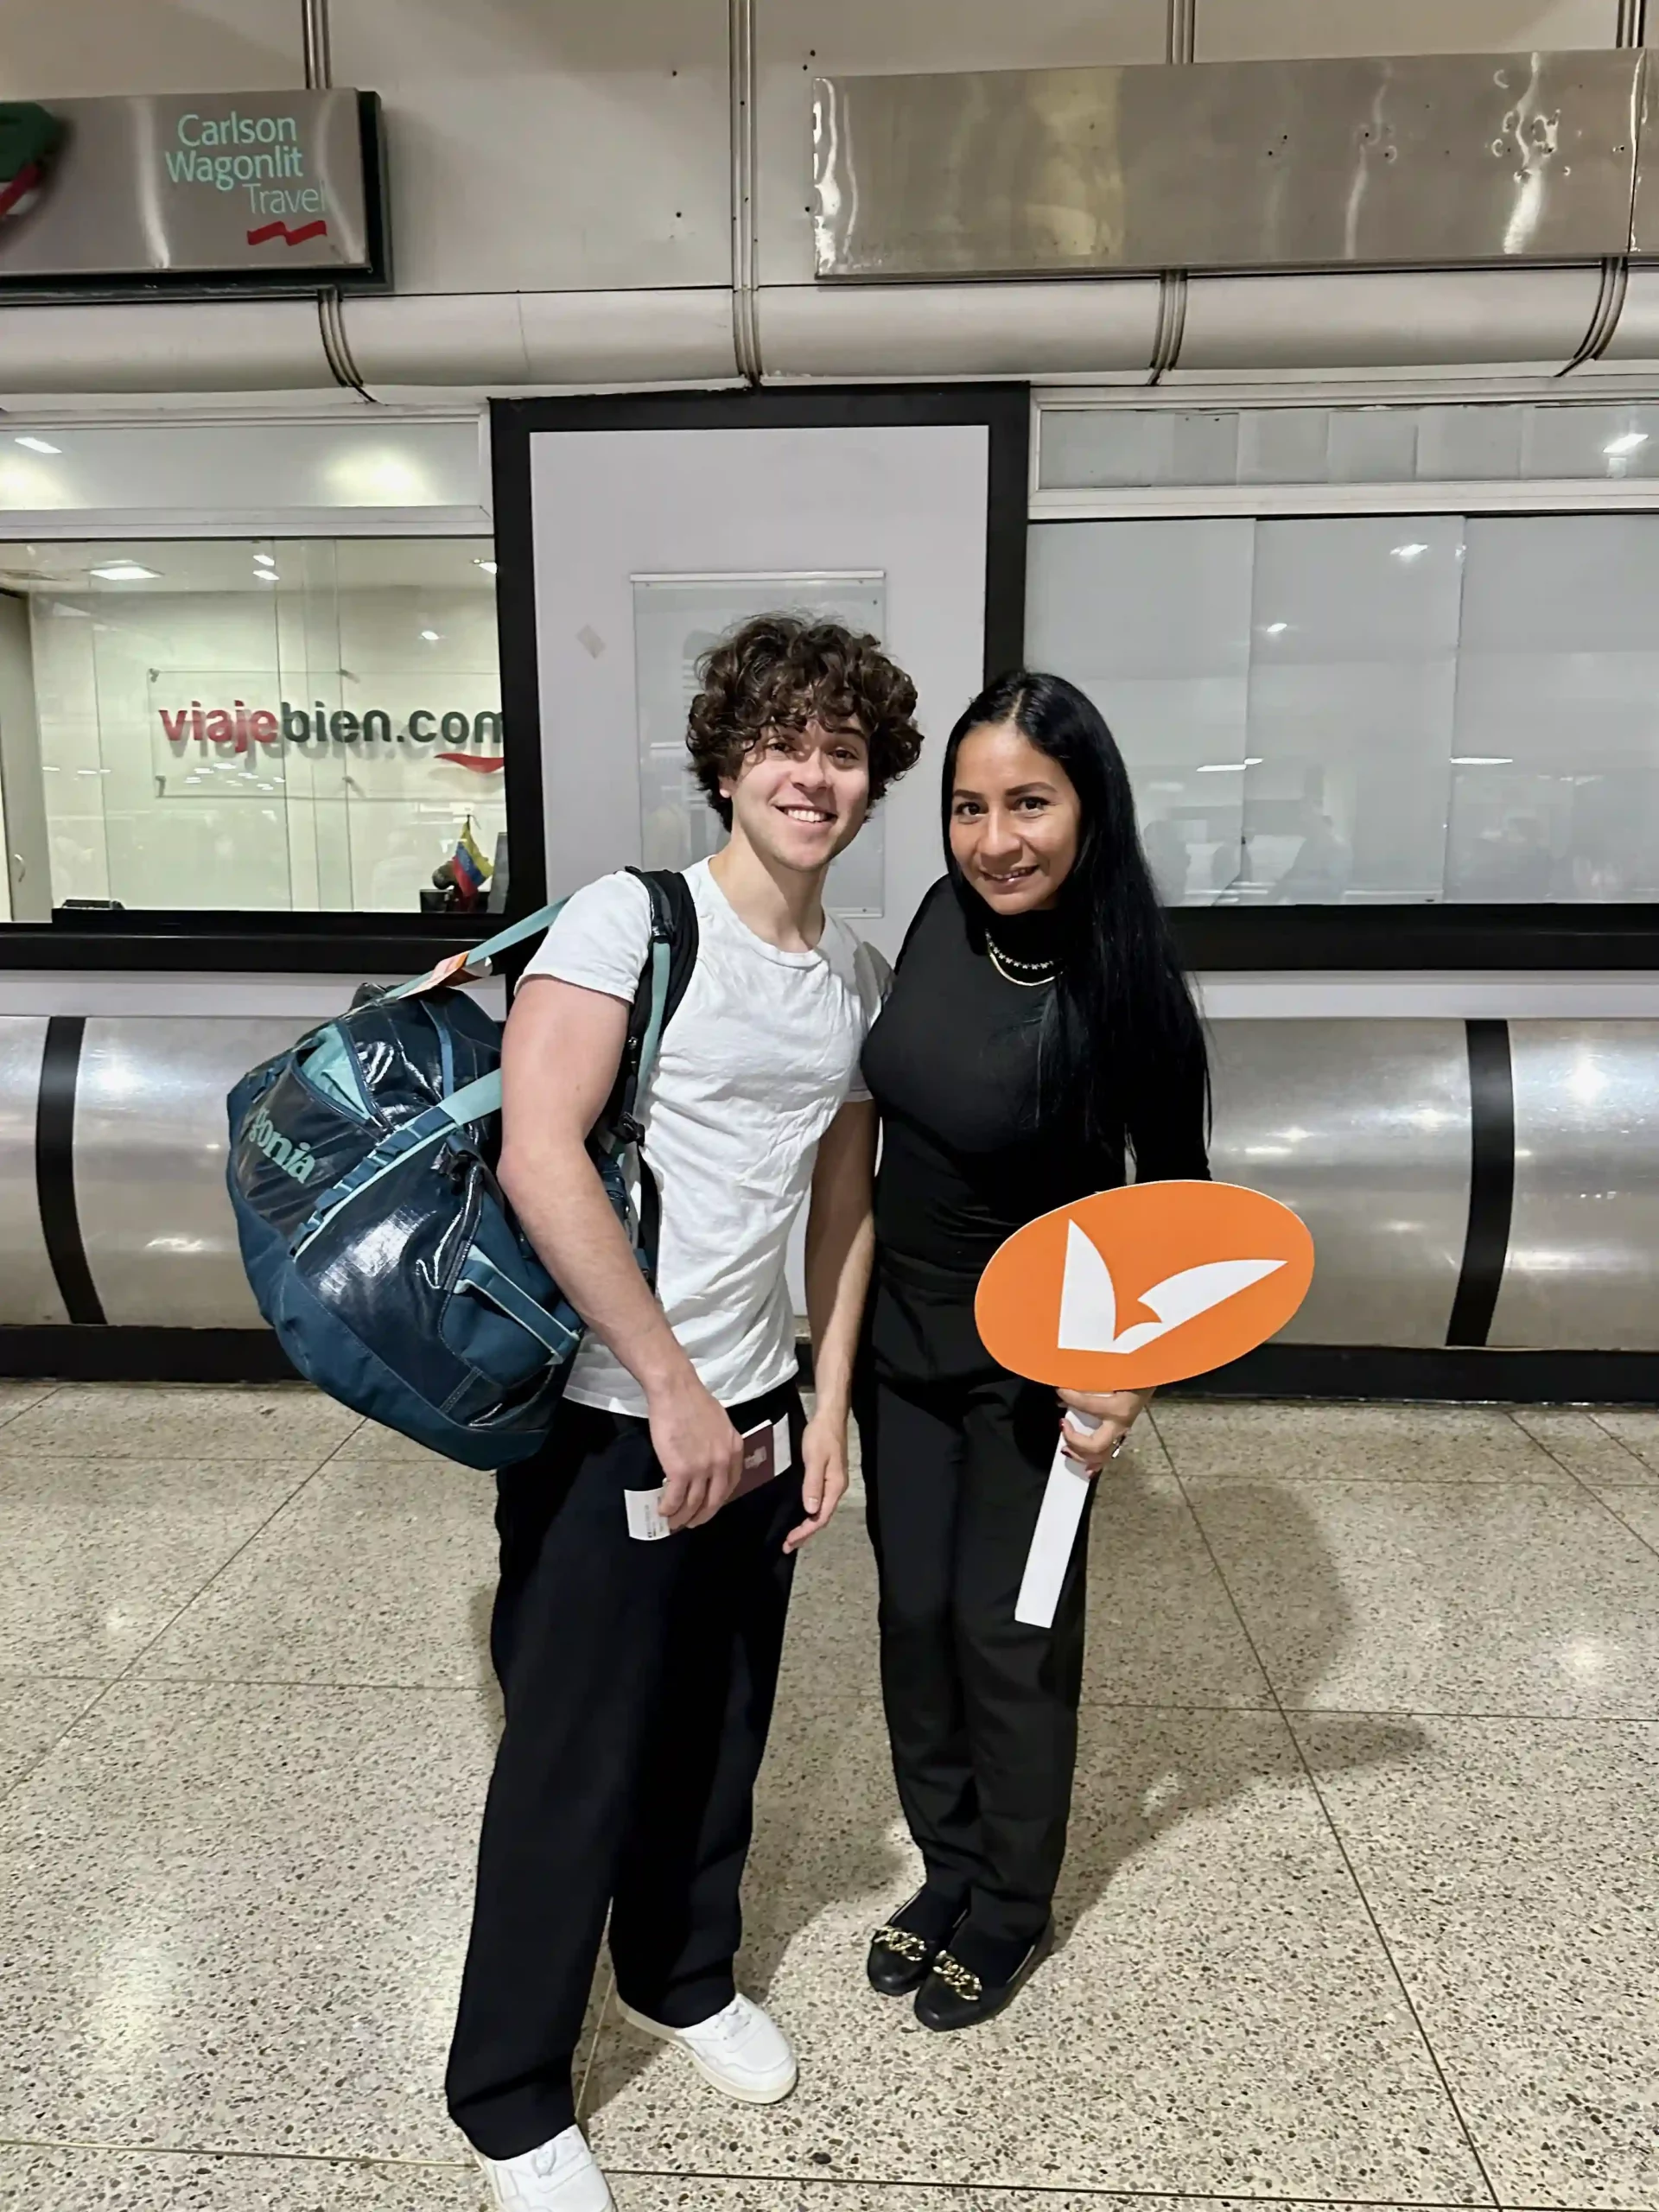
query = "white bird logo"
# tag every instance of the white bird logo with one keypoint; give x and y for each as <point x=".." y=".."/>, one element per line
<point x="1089" y="1296"/>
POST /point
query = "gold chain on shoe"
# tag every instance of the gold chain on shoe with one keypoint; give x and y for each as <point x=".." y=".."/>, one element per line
<point x="956" y="1976"/>
<point x="903" y="1941"/>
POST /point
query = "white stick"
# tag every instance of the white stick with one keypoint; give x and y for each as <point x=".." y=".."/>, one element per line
<point x="1055" y="1536"/>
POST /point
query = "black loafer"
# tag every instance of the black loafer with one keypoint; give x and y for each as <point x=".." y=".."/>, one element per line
<point x="901" y="1957"/>
<point x="952" y="1997"/>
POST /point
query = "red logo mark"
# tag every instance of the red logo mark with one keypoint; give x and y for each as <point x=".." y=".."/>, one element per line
<point x="481" y="764"/>
<point x="268" y="231"/>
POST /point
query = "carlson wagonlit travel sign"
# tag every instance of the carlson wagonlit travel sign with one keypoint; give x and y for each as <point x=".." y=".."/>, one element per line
<point x="272" y="187"/>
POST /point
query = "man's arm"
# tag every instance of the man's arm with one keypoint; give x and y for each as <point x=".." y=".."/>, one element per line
<point x="559" y="1060"/>
<point x="840" y="1246"/>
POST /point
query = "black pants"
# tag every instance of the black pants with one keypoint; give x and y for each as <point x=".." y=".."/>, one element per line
<point x="638" y="1680"/>
<point x="982" y="1711"/>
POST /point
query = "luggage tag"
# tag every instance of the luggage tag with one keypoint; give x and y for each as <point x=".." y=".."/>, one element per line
<point x="765" y="1456"/>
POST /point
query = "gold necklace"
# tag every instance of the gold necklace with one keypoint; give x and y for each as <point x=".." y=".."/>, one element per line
<point x="1005" y="965"/>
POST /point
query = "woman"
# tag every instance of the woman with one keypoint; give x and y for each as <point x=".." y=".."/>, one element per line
<point x="1039" y="1036"/>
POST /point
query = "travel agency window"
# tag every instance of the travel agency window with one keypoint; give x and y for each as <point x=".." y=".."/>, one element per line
<point x="1388" y="657"/>
<point x="292" y="719"/>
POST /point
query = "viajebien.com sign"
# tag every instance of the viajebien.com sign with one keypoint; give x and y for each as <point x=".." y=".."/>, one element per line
<point x="198" y="188"/>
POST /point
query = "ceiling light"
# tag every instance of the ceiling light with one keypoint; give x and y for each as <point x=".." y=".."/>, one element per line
<point x="1414" y="551"/>
<point x="125" y="572"/>
<point x="1276" y="629"/>
<point x="432" y="637"/>
<point x="1615" y="447"/>
<point x="266" y="576"/>
<point x="1483" y="760"/>
<point x="266" y="560"/>
<point x="488" y="567"/>
<point x="1228" y="767"/>
<point x="40" y="445"/>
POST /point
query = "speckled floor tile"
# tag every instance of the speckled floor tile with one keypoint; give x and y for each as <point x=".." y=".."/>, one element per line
<point x="1452" y="1598"/>
<point x="1637" y="1427"/>
<point x="698" y="2193"/>
<point x="1584" y="1445"/>
<point x="371" y="1441"/>
<point x="379" y="1571"/>
<point x="151" y="2181"/>
<point x="1511" y="1870"/>
<point x="1636" y="1506"/>
<point x="17" y="1397"/>
<point x="33" y="1715"/>
<point x="1293" y="1443"/>
<point x="1162" y="1629"/>
<point x="242" y="1911"/>
<point x="1220" y="2018"/>
<point x="101" y="1553"/>
<point x="160" y="1420"/>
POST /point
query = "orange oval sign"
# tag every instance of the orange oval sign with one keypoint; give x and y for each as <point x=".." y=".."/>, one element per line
<point x="1146" y="1285"/>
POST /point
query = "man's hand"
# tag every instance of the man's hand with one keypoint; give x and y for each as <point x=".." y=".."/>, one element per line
<point x="1116" y="1411"/>
<point x="700" y="1454"/>
<point x="823" y="1477"/>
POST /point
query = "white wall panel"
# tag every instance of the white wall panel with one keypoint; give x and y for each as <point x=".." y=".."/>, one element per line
<point x="1267" y="30"/>
<point x="554" y="145"/>
<point x="796" y="40"/>
<point x="77" y="50"/>
<point x="1102" y="330"/>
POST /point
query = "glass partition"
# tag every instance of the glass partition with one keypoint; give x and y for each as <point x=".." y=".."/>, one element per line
<point x="279" y="725"/>
<point x="1385" y="709"/>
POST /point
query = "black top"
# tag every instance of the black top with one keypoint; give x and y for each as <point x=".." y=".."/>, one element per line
<point x="952" y="1063"/>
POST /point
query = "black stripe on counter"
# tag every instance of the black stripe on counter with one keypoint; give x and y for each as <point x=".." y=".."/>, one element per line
<point x="143" y="1355"/>
<point x="54" y="1169"/>
<point x="1491" y="1182"/>
<point x="1430" y="1373"/>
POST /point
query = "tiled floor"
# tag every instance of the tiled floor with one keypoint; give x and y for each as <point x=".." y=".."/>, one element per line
<point x="1362" y="1907"/>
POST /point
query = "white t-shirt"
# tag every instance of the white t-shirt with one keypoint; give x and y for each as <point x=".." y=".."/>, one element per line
<point x="761" y="1053"/>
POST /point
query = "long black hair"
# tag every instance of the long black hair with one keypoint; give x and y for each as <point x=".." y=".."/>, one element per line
<point x="1120" y="1022"/>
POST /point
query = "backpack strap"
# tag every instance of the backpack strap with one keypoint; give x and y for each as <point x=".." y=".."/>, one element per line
<point x="663" y="981"/>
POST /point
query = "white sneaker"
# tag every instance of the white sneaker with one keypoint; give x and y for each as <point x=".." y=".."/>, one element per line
<point x="742" y="2052"/>
<point x="558" y="2177"/>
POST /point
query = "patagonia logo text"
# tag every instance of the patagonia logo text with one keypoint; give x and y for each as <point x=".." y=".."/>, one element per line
<point x="293" y="1159"/>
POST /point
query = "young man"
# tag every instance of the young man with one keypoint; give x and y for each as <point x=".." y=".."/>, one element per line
<point x="638" y="1676"/>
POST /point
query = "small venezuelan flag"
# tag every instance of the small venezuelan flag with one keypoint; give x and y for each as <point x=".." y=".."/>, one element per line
<point x="468" y="867"/>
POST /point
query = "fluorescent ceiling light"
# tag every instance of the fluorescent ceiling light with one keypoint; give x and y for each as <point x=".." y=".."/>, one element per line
<point x="1228" y="767"/>
<point x="1412" y="552"/>
<point x="1276" y="629"/>
<point x="1616" y="446"/>
<point x="432" y="637"/>
<point x="266" y="576"/>
<point x="37" y="445"/>
<point x="1483" y="760"/>
<point x="266" y="560"/>
<point x="125" y="572"/>
<point x="488" y="567"/>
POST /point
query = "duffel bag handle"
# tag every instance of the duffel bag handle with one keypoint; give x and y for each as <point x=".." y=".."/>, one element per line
<point x="469" y="966"/>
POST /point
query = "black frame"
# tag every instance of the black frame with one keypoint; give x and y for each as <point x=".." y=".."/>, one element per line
<point x="1003" y="408"/>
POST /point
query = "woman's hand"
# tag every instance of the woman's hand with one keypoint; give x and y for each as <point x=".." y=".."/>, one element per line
<point x="1116" y="1411"/>
<point x="823" y="1476"/>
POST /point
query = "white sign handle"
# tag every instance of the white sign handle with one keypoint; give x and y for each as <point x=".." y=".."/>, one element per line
<point x="1055" y="1537"/>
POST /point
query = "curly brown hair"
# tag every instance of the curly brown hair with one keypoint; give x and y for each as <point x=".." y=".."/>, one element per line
<point x="781" y="672"/>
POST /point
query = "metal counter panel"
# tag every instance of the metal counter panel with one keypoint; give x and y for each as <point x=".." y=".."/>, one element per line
<point x="1364" y="1128"/>
<point x="150" y="1147"/>
<point x="1583" y="1269"/>
<point x="29" y="1289"/>
<point x="1411" y="160"/>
